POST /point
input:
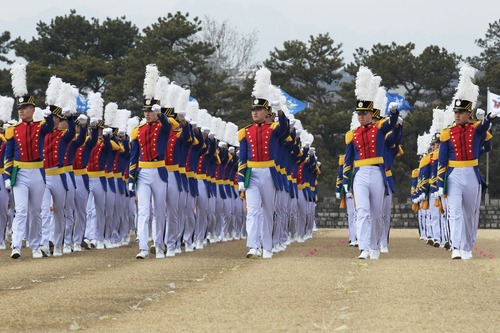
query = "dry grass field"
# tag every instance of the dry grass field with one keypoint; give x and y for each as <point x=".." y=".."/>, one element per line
<point x="318" y="285"/>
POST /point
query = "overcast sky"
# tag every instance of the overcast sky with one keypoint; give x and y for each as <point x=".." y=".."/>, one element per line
<point x="454" y="25"/>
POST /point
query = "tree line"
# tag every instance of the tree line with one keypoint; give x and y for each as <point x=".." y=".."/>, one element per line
<point x="217" y="64"/>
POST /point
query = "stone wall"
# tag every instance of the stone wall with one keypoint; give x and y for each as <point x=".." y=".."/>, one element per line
<point x="329" y="215"/>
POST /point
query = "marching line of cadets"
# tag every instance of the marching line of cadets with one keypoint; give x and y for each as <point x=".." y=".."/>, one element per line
<point x="446" y="186"/>
<point x="72" y="183"/>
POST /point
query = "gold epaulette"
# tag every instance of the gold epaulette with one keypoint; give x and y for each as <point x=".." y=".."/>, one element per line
<point x="348" y="137"/>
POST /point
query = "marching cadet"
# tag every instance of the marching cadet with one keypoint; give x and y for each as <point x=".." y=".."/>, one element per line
<point x="70" y="244"/>
<point x="122" y="226"/>
<point x="80" y="162"/>
<point x="148" y="174"/>
<point x="6" y="105"/>
<point x="255" y="168"/>
<point x="364" y="155"/>
<point x="55" y="146"/>
<point x="196" y="149"/>
<point x="203" y="189"/>
<point x="458" y="170"/>
<point x="24" y="166"/>
<point x="96" y="167"/>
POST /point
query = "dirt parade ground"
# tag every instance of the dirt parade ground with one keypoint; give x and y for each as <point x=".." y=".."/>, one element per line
<point x="318" y="285"/>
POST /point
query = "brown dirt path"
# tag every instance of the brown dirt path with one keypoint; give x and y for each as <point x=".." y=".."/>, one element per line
<point x="314" y="286"/>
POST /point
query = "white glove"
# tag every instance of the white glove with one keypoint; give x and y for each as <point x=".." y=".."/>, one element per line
<point x="82" y="119"/>
<point x="433" y="195"/>
<point x="494" y="113"/>
<point x="211" y="135"/>
<point x="8" y="186"/>
<point x="480" y="114"/>
<point x="130" y="187"/>
<point x="181" y="115"/>
<point x="440" y="192"/>
<point x="307" y="144"/>
<point x="276" y="105"/>
<point x="107" y="131"/>
<point x="348" y="195"/>
<point x="422" y="197"/>
<point x="156" y="108"/>
<point x="47" y="112"/>
<point x="400" y="121"/>
<point x="121" y="133"/>
<point x="93" y="121"/>
<point x="66" y="112"/>
<point x="393" y="106"/>
<point x="337" y="195"/>
<point x="194" y="124"/>
<point x="415" y="201"/>
<point x="312" y="150"/>
<point x="241" y="186"/>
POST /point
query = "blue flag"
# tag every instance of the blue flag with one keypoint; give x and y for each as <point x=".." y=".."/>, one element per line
<point x="402" y="103"/>
<point x="81" y="104"/>
<point x="293" y="104"/>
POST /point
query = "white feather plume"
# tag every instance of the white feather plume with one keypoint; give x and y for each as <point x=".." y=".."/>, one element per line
<point x="18" y="76"/>
<point x="173" y="93"/>
<point x="161" y="90"/>
<point x="53" y="90"/>
<point x="6" y="107"/>
<point x="374" y="85"/>
<point x="424" y="143"/>
<point x="449" y="117"/>
<point x="466" y="89"/>
<point x="437" y="121"/>
<point x="221" y="129"/>
<point x="231" y="133"/>
<point x="192" y="110"/>
<point x="380" y="101"/>
<point x="363" y="84"/>
<point x="131" y="124"/>
<point x="110" y="114"/>
<point x="262" y="83"/>
<point x="298" y="125"/>
<point x="66" y="99"/>
<point x="121" y="119"/>
<point x="204" y="118"/>
<point x="354" y="121"/>
<point x="182" y="100"/>
<point x="95" y="105"/>
<point x="150" y="79"/>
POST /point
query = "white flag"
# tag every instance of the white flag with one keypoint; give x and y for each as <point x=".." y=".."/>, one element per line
<point x="493" y="102"/>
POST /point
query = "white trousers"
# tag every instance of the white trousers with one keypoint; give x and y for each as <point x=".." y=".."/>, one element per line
<point x="202" y="216"/>
<point x="190" y="219"/>
<point x="4" y="204"/>
<point x="81" y="197"/>
<point x="301" y="214"/>
<point x="55" y="196"/>
<point x="464" y="198"/>
<point x="150" y="184"/>
<point x="386" y="220"/>
<point x="109" y="212"/>
<point x="98" y="208"/>
<point x="172" y="212"/>
<point x="260" y="196"/>
<point x="368" y="191"/>
<point x="28" y="195"/>
<point x="351" y="219"/>
<point x="69" y="212"/>
<point x="220" y="215"/>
